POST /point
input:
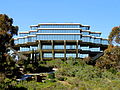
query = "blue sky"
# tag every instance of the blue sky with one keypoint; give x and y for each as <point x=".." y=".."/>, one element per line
<point x="101" y="15"/>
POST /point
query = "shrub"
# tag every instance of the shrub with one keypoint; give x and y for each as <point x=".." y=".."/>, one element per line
<point x="51" y="75"/>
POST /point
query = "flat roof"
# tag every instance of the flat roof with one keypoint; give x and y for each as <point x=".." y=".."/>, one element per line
<point x="86" y="30"/>
<point x="24" y="32"/>
<point x="31" y="36"/>
<point x="33" y="30"/>
<point x="59" y="24"/>
<point x="96" y="32"/>
<point x="59" y="29"/>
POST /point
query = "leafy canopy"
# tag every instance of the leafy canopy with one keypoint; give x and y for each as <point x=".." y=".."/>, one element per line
<point x="115" y="35"/>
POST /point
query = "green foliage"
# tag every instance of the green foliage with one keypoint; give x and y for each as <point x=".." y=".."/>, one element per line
<point x="75" y="75"/>
<point x="111" y="58"/>
<point x="114" y="35"/>
<point x="51" y="75"/>
<point x="54" y="63"/>
<point x="7" y="30"/>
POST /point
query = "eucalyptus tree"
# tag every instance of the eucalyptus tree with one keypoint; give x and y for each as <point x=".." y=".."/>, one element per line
<point x="7" y="30"/>
<point x="114" y="36"/>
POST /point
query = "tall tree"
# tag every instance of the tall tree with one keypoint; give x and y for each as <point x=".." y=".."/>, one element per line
<point x="111" y="57"/>
<point x="114" y="36"/>
<point x="7" y="30"/>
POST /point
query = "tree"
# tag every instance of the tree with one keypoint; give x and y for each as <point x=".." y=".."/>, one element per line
<point x="7" y="30"/>
<point x="114" y="35"/>
<point x="111" y="58"/>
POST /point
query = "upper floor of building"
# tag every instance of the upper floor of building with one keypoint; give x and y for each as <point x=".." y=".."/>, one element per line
<point x="60" y="31"/>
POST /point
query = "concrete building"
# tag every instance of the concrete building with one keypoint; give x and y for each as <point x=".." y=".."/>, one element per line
<point x="61" y="40"/>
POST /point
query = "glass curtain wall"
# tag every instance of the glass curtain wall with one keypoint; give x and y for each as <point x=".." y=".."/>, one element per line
<point x="16" y="41"/>
<point x="85" y="33"/>
<point x="105" y="42"/>
<point x="59" y="26"/>
<point x="95" y="34"/>
<point x="97" y="40"/>
<point x="34" y="28"/>
<point x="47" y="55"/>
<point x="85" y="39"/>
<point x="95" y="49"/>
<point x="58" y="46"/>
<point x="70" y="46"/>
<point x="23" y="34"/>
<point x="33" y="48"/>
<point x="32" y="39"/>
<point x="85" y="28"/>
<point x="46" y="46"/>
<point x="24" y="49"/>
<point x="21" y="40"/>
<point x="58" y="37"/>
<point x="70" y="55"/>
<point x="32" y="33"/>
<point x="82" y="55"/>
<point x="85" y="48"/>
<point x="58" y="55"/>
<point x="58" y="31"/>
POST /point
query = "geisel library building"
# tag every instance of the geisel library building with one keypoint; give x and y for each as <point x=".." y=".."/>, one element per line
<point x="60" y="40"/>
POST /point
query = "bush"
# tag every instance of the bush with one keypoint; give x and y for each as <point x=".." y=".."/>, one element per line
<point x="62" y="78"/>
<point x="51" y="75"/>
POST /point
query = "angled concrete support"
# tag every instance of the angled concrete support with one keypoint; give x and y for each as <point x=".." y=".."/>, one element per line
<point x="53" y="54"/>
<point x="64" y="49"/>
<point x="40" y="50"/>
<point x="77" y="49"/>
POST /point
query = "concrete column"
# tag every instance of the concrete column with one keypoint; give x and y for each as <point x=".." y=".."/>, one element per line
<point x="53" y="54"/>
<point x="77" y="49"/>
<point x="40" y="50"/>
<point x="64" y="49"/>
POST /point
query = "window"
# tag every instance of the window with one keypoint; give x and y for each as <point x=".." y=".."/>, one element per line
<point x="21" y="40"/>
<point x="84" y="28"/>
<point x="46" y="55"/>
<point x="24" y="49"/>
<point x="105" y="42"/>
<point x="92" y="40"/>
<point x="32" y="39"/>
<point x="23" y="34"/>
<point x="34" y="27"/>
<point x="59" y="31"/>
<point x="47" y="47"/>
<point x="95" y="49"/>
<point x="26" y="40"/>
<point x="85" y="48"/>
<point x="33" y="33"/>
<point x="59" y="47"/>
<point x="95" y="34"/>
<point x="79" y="47"/>
<point x="97" y="40"/>
<point x="86" y="39"/>
<point x="85" y="33"/>
<point x="71" y="55"/>
<point x="58" y="37"/>
<point x="16" y="41"/>
<point x="82" y="55"/>
<point x="70" y="46"/>
<point x="33" y="48"/>
<point x="57" y="55"/>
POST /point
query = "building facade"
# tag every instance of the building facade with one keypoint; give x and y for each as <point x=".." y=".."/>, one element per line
<point x="61" y="40"/>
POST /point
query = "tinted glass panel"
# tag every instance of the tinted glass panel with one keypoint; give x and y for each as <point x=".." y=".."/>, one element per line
<point x="59" y="26"/>
<point x="58" y="37"/>
<point x="58" y="31"/>
<point x="59" y="55"/>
